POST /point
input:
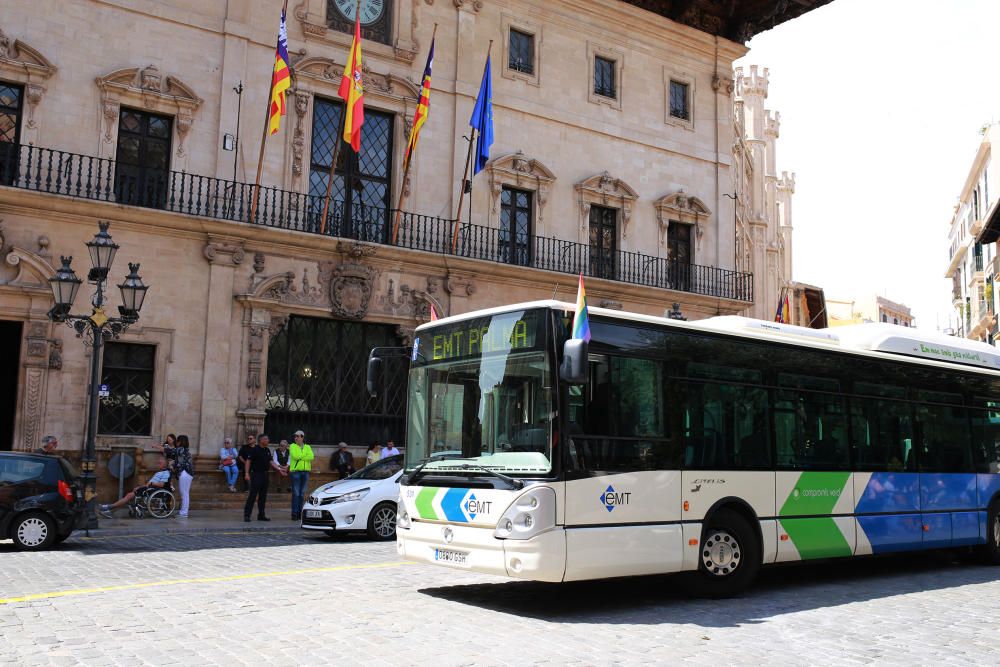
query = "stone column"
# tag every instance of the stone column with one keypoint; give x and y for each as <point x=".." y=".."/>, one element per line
<point x="36" y="368"/>
<point x="224" y="255"/>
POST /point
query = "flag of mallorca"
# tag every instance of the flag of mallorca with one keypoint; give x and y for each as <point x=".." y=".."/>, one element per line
<point x="423" y="108"/>
<point x="281" y="81"/>
<point x="352" y="91"/>
<point x="581" y="323"/>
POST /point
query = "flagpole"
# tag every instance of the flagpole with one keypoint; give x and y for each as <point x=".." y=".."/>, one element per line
<point x="468" y="162"/>
<point x="263" y="139"/>
<point x="340" y="133"/>
<point x="406" y="167"/>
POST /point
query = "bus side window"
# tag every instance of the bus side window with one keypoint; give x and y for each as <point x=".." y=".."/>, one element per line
<point x="882" y="435"/>
<point x="945" y="445"/>
<point x="986" y="435"/>
<point x="726" y="426"/>
<point x="811" y="426"/>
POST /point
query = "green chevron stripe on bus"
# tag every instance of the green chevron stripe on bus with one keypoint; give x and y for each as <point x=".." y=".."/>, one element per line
<point x="425" y="503"/>
<point x="816" y="493"/>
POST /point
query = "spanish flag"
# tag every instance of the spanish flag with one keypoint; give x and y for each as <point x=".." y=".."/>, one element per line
<point x="352" y="91"/>
<point x="423" y="108"/>
<point x="281" y="80"/>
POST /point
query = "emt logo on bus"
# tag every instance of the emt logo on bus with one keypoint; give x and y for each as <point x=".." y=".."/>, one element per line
<point x="474" y="340"/>
<point x="612" y="499"/>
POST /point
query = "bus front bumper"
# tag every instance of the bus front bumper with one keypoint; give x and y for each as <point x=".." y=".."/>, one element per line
<point x="541" y="558"/>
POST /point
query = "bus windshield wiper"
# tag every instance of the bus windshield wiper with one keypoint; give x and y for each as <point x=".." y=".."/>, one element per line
<point x="514" y="483"/>
<point x="417" y="473"/>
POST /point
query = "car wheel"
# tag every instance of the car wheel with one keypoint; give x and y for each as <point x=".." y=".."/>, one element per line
<point x="730" y="556"/>
<point x="990" y="552"/>
<point x="33" y="532"/>
<point x="382" y="522"/>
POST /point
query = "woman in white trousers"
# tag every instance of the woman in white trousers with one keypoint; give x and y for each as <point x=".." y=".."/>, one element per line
<point x="183" y="467"/>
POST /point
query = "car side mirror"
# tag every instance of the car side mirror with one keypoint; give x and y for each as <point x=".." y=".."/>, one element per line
<point x="374" y="379"/>
<point x="574" y="369"/>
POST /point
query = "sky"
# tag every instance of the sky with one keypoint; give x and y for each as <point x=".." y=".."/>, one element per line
<point x="881" y="102"/>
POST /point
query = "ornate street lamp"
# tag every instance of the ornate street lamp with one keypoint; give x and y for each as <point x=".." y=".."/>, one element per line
<point x="94" y="329"/>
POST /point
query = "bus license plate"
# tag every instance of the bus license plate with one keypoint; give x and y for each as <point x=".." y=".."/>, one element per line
<point x="314" y="514"/>
<point x="451" y="557"/>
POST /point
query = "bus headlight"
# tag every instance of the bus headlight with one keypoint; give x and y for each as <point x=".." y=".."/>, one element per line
<point x="402" y="516"/>
<point x="531" y="514"/>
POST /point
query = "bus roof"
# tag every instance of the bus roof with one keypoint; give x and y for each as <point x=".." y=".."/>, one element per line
<point x="874" y="337"/>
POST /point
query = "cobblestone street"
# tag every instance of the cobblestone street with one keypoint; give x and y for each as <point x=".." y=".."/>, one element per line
<point x="285" y="598"/>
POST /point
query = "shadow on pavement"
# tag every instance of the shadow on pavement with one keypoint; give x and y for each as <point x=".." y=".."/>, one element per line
<point x="662" y="600"/>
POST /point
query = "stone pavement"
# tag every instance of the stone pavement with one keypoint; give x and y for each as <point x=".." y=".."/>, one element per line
<point x="287" y="598"/>
<point x="199" y="521"/>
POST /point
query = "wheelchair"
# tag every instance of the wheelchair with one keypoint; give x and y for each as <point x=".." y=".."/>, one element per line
<point x="154" y="502"/>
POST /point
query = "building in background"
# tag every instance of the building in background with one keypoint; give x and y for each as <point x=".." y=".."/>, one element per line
<point x="972" y="257"/>
<point x="763" y="198"/>
<point x="869" y="309"/>
<point x="613" y="157"/>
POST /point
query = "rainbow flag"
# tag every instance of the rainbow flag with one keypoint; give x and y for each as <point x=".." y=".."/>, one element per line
<point x="352" y="91"/>
<point x="434" y="313"/>
<point x="281" y="80"/>
<point x="423" y="108"/>
<point x="581" y="323"/>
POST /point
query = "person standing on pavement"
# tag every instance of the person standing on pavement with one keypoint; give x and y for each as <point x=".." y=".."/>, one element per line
<point x="49" y="444"/>
<point x="281" y="456"/>
<point x="243" y="456"/>
<point x="301" y="463"/>
<point x="259" y="462"/>
<point x="389" y="449"/>
<point x="184" y="469"/>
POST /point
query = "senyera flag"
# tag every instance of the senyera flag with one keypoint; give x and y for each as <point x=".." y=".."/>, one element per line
<point x="581" y="323"/>
<point x="281" y="80"/>
<point x="352" y="91"/>
<point x="423" y="108"/>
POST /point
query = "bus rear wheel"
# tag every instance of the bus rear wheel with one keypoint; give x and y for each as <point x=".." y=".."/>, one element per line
<point x="730" y="556"/>
<point x="990" y="552"/>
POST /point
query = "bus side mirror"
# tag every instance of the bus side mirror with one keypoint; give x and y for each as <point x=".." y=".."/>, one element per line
<point x="374" y="379"/>
<point x="574" y="369"/>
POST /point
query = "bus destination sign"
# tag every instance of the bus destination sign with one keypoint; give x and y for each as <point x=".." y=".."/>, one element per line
<point x="480" y="336"/>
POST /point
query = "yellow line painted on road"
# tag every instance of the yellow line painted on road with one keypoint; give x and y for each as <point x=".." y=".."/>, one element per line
<point x="202" y="580"/>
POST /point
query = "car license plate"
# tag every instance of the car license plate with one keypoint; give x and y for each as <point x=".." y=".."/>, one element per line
<point x="451" y="557"/>
<point x="314" y="514"/>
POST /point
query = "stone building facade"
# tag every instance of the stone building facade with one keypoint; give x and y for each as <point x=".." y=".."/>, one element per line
<point x="613" y="157"/>
<point x="763" y="197"/>
<point x="875" y="308"/>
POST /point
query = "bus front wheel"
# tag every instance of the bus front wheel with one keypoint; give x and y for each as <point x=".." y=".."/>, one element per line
<point x="730" y="555"/>
<point x="991" y="550"/>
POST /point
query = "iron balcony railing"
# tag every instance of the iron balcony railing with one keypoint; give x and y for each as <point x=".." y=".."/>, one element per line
<point x="101" y="179"/>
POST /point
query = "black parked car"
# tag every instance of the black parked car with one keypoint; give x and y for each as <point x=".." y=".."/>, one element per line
<point x="41" y="501"/>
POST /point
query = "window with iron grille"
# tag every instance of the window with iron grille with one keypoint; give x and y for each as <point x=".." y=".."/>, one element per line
<point x="515" y="226"/>
<point x="128" y="373"/>
<point x="142" y="170"/>
<point x="316" y="371"/>
<point x="679" y="255"/>
<point x="362" y="186"/>
<point x="11" y="105"/>
<point x="521" y="52"/>
<point x="680" y="101"/>
<point x="603" y="242"/>
<point x="604" y="77"/>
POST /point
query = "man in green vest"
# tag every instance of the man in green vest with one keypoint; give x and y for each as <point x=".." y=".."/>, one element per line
<point x="299" y="464"/>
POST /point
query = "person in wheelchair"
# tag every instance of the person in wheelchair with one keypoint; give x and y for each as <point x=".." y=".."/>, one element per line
<point x="160" y="480"/>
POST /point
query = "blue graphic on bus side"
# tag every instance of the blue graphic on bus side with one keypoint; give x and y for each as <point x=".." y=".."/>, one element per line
<point x="612" y="499"/>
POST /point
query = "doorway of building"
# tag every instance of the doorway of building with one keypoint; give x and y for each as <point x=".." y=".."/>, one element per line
<point x="10" y="366"/>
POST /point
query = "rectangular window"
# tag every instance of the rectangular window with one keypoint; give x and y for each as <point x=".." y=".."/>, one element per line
<point x="142" y="169"/>
<point x="986" y="433"/>
<point x="603" y="242"/>
<point x="11" y="103"/>
<point x="882" y="432"/>
<point x="604" y="77"/>
<point x="362" y="186"/>
<point x="128" y="374"/>
<point x="725" y="425"/>
<point x="680" y="102"/>
<point x="515" y="226"/>
<point x="679" y="255"/>
<point x="521" y="52"/>
<point x="943" y="437"/>
<point x="810" y="427"/>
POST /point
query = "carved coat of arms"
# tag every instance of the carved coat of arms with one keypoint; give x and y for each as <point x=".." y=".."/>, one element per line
<point x="351" y="290"/>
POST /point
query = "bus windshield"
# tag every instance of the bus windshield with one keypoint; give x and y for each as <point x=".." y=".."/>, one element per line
<point x="481" y="391"/>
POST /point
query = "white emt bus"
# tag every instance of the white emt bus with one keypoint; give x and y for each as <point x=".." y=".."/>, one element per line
<point x="713" y="447"/>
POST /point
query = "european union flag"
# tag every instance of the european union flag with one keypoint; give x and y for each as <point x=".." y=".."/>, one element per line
<point x="482" y="120"/>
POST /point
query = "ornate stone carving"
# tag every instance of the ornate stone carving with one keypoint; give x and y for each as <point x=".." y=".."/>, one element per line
<point x="255" y="344"/>
<point x="356" y="249"/>
<point x="110" y="111"/>
<point x="258" y="262"/>
<point x="22" y="63"/>
<point x="460" y="285"/>
<point x="326" y="72"/>
<point x="55" y="354"/>
<point x="405" y="335"/>
<point x="278" y="323"/>
<point x="605" y="190"/>
<point x="474" y="5"/>
<point x="279" y="288"/>
<point x="351" y="290"/>
<point x="220" y="251"/>
<point x="520" y="171"/>
<point x="31" y="415"/>
<point x="299" y="136"/>
<point x="34" y="270"/>
<point x="722" y="84"/>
